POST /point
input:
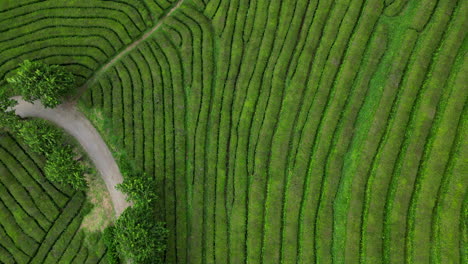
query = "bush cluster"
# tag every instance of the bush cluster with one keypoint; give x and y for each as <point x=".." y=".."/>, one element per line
<point x="61" y="167"/>
<point x="8" y="119"/>
<point x="139" y="187"/>
<point x="40" y="136"/>
<point x="138" y="236"/>
<point x="109" y="239"/>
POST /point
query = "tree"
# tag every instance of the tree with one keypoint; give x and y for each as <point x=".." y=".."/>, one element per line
<point x="40" y="136"/>
<point x="8" y="119"/>
<point x="139" y="237"/>
<point x="109" y="239"/>
<point x="6" y="103"/>
<point x="61" y="167"/>
<point x="40" y="81"/>
<point x="140" y="188"/>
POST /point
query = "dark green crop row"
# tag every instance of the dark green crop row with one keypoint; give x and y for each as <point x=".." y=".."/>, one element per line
<point x="62" y="244"/>
<point x="29" y="224"/>
<point x="34" y="163"/>
<point x="26" y="230"/>
<point x="414" y="127"/>
<point x="8" y="244"/>
<point x="142" y="126"/>
<point x="449" y="200"/>
<point x="73" y="247"/>
<point x="12" y="230"/>
<point x="69" y="212"/>
<point x="6" y="257"/>
<point x="432" y="158"/>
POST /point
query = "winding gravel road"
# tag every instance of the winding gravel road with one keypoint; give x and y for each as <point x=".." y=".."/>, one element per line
<point x="77" y="125"/>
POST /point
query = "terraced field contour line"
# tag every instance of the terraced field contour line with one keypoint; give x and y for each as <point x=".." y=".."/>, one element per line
<point x="113" y="60"/>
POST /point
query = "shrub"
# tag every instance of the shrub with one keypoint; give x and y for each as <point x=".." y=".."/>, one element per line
<point x="139" y="237"/>
<point x="61" y="167"/>
<point x="8" y="118"/>
<point x="40" y="81"/>
<point x="6" y="102"/>
<point x="140" y="188"/>
<point x="40" y="136"/>
<point x="109" y="239"/>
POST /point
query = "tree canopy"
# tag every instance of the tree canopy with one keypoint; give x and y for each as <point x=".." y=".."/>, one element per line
<point x="108" y="236"/>
<point x="6" y="103"/>
<point x="40" y="81"/>
<point x="140" y="188"/>
<point x="61" y="167"/>
<point x="46" y="139"/>
<point x="40" y="136"/>
<point x="8" y="118"/>
<point x="139" y="237"/>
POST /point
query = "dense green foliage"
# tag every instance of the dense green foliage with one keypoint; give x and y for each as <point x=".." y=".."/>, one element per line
<point x="40" y="81"/>
<point x="137" y="234"/>
<point x="139" y="188"/>
<point x="139" y="237"/>
<point x="108" y="235"/>
<point x="49" y="83"/>
<point x="40" y="136"/>
<point x="8" y="119"/>
<point x="61" y="165"/>
<point x="63" y="168"/>
<point x="5" y="101"/>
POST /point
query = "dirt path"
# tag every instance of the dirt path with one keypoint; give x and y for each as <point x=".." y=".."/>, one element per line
<point x="77" y="125"/>
<point x="113" y="60"/>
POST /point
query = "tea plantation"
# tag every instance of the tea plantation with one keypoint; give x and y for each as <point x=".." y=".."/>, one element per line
<point x="294" y="131"/>
<point x="40" y="222"/>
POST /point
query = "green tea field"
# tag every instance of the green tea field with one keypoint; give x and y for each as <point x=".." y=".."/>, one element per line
<point x="293" y="131"/>
<point x="40" y="222"/>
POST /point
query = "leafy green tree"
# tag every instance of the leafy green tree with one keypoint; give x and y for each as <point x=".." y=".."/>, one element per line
<point x="109" y="239"/>
<point x="6" y="103"/>
<point x="140" y="188"/>
<point x="40" y="136"/>
<point x="61" y="167"/>
<point x="9" y="122"/>
<point x="8" y="119"/>
<point x="139" y="237"/>
<point x="40" y="81"/>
